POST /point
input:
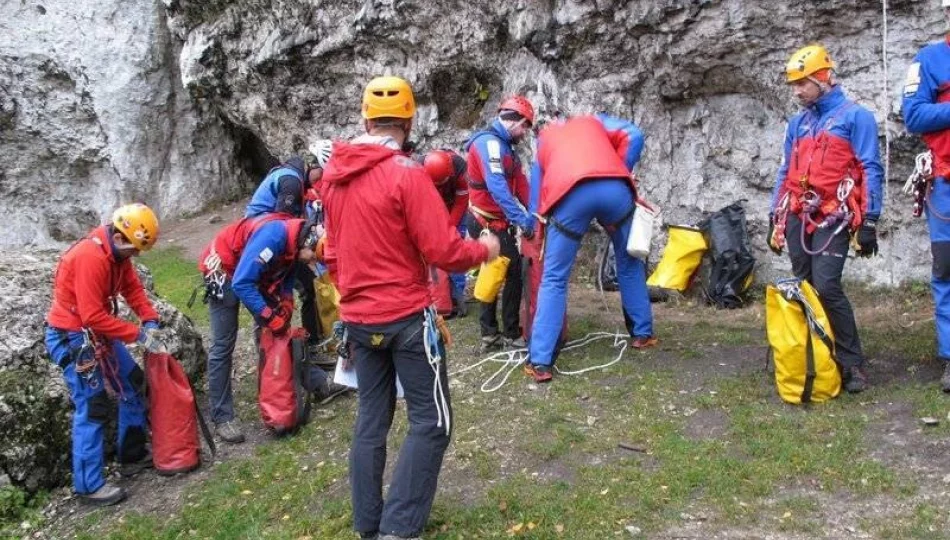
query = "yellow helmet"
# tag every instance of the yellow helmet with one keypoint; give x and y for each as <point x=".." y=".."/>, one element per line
<point x="138" y="224"/>
<point x="806" y="62"/>
<point x="388" y="97"/>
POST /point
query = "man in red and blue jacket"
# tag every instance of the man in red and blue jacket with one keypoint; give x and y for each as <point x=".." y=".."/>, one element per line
<point x="926" y="109"/>
<point x="86" y="338"/>
<point x="583" y="172"/>
<point x="498" y="197"/>
<point x="250" y="261"/>
<point x="829" y="184"/>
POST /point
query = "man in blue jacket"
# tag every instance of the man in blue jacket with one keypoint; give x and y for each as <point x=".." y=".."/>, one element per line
<point x="254" y="260"/>
<point x="829" y="185"/>
<point x="498" y="197"/>
<point x="926" y="109"/>
<point x="583" y="172"/>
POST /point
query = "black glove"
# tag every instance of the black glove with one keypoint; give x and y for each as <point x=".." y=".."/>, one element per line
<point x="867" y="239"/>
<point x="768" y="239"/>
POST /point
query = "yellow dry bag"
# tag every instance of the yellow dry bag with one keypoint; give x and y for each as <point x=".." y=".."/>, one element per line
<point x="802" y="343"/>
<point x="328" y="302"/>
<point x="491" y="276"/>
<point x="681" y="258"/>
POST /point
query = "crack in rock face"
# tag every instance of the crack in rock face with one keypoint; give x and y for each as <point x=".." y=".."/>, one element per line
<point x="35" y="409"/>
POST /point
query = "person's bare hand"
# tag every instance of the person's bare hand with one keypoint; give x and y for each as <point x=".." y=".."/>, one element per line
<point x="491" y="242"/>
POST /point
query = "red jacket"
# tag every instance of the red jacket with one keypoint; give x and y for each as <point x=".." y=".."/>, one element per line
<point x="385" y="223"/>
<point x="87" y="280"/>
<point x="230" y="241"/>
<point x="573" y="151"/>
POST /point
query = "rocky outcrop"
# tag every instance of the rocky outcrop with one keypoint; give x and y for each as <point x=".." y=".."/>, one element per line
<point x="701" y="77"/>
<point x="92" y="114"/>
<point x="34" y="401"/>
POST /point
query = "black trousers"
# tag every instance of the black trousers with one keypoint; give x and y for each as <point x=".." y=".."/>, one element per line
<point x="510" y="294"/>
<point x="380" y="353"/>
<point x="308" y="303"/>
<point x="824" y="271"/>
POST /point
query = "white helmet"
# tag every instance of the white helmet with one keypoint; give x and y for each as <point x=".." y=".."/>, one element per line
<point x="945" y="3"/>
<point x="323" y="148"/>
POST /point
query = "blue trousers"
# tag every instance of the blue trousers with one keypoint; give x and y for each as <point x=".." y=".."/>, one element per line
<point x="91" y="400"/>
<point x="940" y="274"/>
<point x="458" y="280"/>
<point x="608" y="201"/>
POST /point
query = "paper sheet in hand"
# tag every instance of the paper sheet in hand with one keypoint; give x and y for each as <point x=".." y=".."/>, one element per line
<point x="347" y="377"/>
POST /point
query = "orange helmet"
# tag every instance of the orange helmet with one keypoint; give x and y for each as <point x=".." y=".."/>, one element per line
<point x="138" y="224"/>
<point x="807" y="62"/>
<point x="520" y="105"/>
<point x="388" y="97"/>
<point x="438" y="163"/>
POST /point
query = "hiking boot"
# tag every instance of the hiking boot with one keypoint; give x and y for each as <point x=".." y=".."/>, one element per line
<point x="641" y="343"/>
<point x="855" y="381"/>
<point x="128" y="470"/>
<point x="332" y="391"/>
<point x="395" y="537"/>
<point x="516" y="343"/>
<point x="107" y="495"/>
<point x="489" y="343"/>
<point x="369" y="536"/>
<point x="945" y="380"/>
<point x="229" y="432"/>
<point x="540" y="373"/>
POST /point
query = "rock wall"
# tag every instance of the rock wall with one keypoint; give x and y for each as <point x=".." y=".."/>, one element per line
<point x="35" y="408"/>
<point x="93" y="114"/>
<point x="703" y="79"/>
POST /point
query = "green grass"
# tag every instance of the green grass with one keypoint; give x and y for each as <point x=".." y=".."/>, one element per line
<point x="545" y="462"/>
<point x="175" y="279"/>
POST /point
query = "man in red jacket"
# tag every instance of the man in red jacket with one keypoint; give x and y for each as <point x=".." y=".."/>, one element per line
<point x="86" y="339"/>
<point x="385" y="224"/>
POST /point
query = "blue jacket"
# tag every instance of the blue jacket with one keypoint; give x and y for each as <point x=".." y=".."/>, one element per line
<point x="926" y="104"/>
<point x="262" y="264"/>
<point x="840" y="120"/>
<point x="497" y="167"/>
<point x="281" y="190"/>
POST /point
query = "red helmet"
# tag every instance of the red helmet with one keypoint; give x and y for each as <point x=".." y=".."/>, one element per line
<point x="438" y="163"/>
<point x="520" y="105"/>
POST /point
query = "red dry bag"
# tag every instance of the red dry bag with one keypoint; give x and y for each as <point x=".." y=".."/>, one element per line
<point x="281" y="394"/>
<point x="173" y="416"/>
<point x="440" y="287"/>
<point x="531" y="271"/>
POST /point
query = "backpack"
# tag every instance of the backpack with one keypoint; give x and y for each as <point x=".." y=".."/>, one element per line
<point x="284" y="380"/>
<point x="801" y="343"/>
<point x="681" y="259"/>
<point x="732" y="264"/>
<point x="173" y="416"/>
<point x="328" y="301"/>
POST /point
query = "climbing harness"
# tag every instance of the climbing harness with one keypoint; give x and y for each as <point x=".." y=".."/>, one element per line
<point x="214" y="278"/>
<point x="920" y="184"/>
<point x="431" y="336"/>
<point x="839" y="218"/>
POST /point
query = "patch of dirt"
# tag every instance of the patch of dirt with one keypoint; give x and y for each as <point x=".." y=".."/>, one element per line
<point x="897" y="438"/>
<point x="192" y="234"/>
<point x="707" y="424"/>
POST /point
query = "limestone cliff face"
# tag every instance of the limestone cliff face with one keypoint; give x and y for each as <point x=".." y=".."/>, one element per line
<point x="702" y="78"/>
<point x="183" y="101"/>
<point x="92" y="114"/>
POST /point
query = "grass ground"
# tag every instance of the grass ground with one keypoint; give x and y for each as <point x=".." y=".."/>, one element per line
<point x="686" y="440"/>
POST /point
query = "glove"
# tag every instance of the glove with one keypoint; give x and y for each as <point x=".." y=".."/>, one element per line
<point x="768" y="239"/>
<point x="277" y="320"/>
<point x="149" y="340"/>
<point x="867" y="239"/>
